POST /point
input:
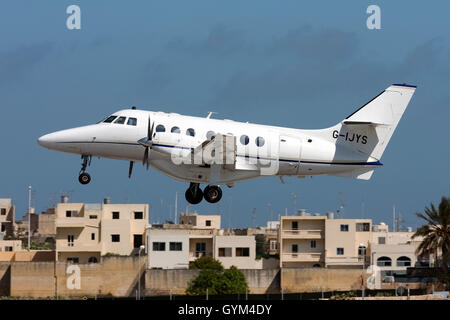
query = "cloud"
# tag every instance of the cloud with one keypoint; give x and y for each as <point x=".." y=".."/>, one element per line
<point x="14" y="65"/>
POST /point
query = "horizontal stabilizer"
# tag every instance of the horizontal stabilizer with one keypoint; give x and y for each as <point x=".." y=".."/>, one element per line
<point x="363" y="174"/>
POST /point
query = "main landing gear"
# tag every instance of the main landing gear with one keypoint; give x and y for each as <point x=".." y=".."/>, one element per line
<point x="211" y="193"/>
<point x="84" y="177"/>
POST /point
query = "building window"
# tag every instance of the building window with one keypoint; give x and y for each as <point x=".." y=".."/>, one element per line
<point x="70" y="240"/>
<point x="363" y="227"/>
<point x="160" y="128"/>
<point x="224" y="252"/>
<point x="138" y="215"/>
<point x="403" y="262"/>
<point x="71" y="213"/>
<point x="115" y="215"/>
<point x="273" y="245"/>
<point x="340" y="251"/>
<point x="294" y="248"/>
<point x="190" y="132"/>
<point x="208" y="223"/>
<point x="242" y="252"/>
<point x="137" y="240"/>
<point x="294" y="225"/>
<point x="8" y="248"/>
<point x="93" y="216"/>
<point x="175" y="246"/>
<point x="159" y="246"/>
<point x="92" y="236"/>
<point x="3" y="228"/>
<point x="384" y="262"/>
<point x="200" y="249"/>
<point x="3" y="211"/>
<point x="132" y="122"/>
<point x="344" y="227"/>
<point x="73" y="260"/>
<point x="259" y="141"/>
<point x="313" y="244"/>
<point x="381" y="240"/>
<point x="115" y="238"/>
<point x="92" y="260"/>
<point x="244" y="140"/>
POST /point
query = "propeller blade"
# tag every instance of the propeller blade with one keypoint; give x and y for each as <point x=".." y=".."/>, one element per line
<point x="149" y="129"/>
<point x="130" y="170"/>
<point x="144" y="161"/>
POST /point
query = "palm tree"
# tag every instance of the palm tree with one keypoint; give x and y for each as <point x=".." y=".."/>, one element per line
<point x="436" y="234"/>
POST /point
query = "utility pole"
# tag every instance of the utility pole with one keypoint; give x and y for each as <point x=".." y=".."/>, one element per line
<point x="393" y="218"/>
<point x="294" y="195"/>
<point x="176" y="207"/>
<point x="29" y="217"/>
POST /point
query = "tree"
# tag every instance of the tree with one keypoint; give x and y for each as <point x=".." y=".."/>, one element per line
<point x="206" y="263"/>
<point x="436" y="233"/>
<point x="216" y="279"/>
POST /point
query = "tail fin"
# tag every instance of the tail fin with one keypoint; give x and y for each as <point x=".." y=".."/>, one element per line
<point x="369" y="129"/>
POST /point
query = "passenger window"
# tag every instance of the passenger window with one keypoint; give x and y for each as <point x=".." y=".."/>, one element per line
<point x="175" y="130"/>
<point x="132" y="122"/>
<point x="259" y="141"/>
<point x="121" y="120"/>
<point x="110" y="119"/>
<point x="160" y="128"/>
<point x="244" y="140"/>
<point x="190" y="132"/>
<point x="209" y="134"/>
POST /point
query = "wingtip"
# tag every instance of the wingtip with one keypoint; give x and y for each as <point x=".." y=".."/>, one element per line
<point x="404" y="85"/>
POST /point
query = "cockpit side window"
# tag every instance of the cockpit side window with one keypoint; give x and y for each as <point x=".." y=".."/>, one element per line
<point x="132" y="122"/>
<point x="121" y="120"/>
<point x="110" y="119"/>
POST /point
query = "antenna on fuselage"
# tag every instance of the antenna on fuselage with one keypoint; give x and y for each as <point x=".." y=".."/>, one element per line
<point x="133" y="108"/>
<point x="210" y="114"/>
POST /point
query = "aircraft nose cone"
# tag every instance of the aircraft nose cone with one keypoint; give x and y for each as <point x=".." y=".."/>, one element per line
<point x="46" y="141"/>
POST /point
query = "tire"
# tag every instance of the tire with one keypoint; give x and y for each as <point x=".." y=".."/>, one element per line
<point x="84" y="178"/>
<point x="194" y="197"/>
<point x="212" y="194"/>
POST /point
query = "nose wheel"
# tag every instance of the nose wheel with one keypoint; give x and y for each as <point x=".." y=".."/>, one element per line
<point x="194" y="194"/>
<point x="211" y="193"/>
<point x="84" y="177"/>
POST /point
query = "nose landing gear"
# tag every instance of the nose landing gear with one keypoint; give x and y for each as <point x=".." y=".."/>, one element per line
<point x="211" y="193"/>
<point x="84" y="177"/>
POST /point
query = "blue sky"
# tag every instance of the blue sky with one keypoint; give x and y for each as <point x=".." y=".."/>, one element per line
<point x="290" y="63"/>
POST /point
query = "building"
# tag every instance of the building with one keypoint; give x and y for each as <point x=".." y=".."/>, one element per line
<point x="200" y="221"/>
<point x="86" y="232"/>
<point x="10" y="245"/>
<point x="393" y="252"/>
<point x="321" y="241"/>
<point x="173" y="246"/>
<point x="7" y="216"/>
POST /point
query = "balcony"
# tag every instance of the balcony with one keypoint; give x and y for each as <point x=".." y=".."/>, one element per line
<point x="302" y="234"/>
<point x="303" y="257"/>
<point x="346" y="261"/>
<point x="71" y="222"/>
<point x="198" y="254"/>
<point x="74" y="247"/>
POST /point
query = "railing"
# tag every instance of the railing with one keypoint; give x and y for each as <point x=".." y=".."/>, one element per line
<point x="346" y="260"/>
<point x="297" y="256"/>
<point x="71" y="222"/>
<point x="296" y="233"/>
<point x="74" y="247"/>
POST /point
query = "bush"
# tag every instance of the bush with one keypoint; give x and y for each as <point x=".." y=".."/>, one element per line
<point x="213" y="277"/>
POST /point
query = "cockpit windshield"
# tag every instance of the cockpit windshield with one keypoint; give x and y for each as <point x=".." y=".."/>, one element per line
<point x="110" y="119"/>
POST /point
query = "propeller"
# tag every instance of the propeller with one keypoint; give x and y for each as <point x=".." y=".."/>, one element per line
<point x="147" y="143"/>
<point x="130" y="170"/>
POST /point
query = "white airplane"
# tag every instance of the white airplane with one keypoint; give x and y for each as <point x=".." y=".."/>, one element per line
<point x="221" y="152"/>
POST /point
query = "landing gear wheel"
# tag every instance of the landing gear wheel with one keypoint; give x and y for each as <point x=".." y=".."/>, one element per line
<point x="194" y="194"/>
<point x="212" y="194"/>
<point x="84" y="178"/>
